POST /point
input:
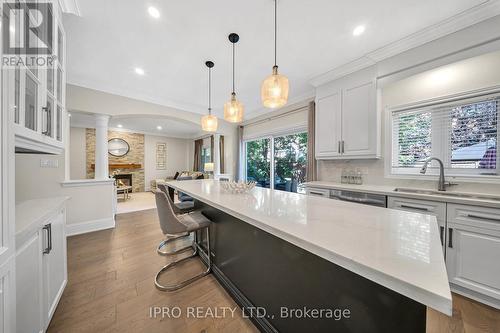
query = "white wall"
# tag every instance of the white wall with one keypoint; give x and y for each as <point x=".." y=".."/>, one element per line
<point x="177" y="157"/>
<point x="91" y="204"/>
<point x="77" y="150"/>
<point x="459" y="77"/>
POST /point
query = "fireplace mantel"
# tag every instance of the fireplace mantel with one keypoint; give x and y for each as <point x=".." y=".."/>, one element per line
<point x="121" y="166"/>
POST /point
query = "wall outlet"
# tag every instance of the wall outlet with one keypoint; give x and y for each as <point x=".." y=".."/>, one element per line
<point x="49" y="163"/>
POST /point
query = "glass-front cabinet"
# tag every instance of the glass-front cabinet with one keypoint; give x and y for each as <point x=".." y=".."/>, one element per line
<point x="37" y="93"/>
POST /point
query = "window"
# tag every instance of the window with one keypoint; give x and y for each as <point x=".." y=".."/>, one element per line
<point x="463" y="135"/>
<point x="205" y="157"/>
<point x="277" y="160"/>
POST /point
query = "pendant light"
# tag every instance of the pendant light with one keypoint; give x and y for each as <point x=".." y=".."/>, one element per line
<point x="233" y="110"/>
<point x="274" y="90"/>
<point x="209" y="122"/>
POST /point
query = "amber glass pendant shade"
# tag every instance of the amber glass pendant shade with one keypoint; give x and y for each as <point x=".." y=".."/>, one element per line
<point x="274" y="91"/>
<point x="233" y="110"/>
<point x="209" y="123"/>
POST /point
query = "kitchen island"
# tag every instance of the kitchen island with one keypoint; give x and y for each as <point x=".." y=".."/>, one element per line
<point x="282" y="255"/>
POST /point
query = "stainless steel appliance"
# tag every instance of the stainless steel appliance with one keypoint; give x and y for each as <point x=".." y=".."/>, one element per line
<point x="378" y="200"/>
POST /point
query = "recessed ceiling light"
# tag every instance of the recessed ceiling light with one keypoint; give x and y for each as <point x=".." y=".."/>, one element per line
<point x="159" y="128"/>
<point x="119" y="125"/>
<point x="358" y="30"/>
<point x="139" y="71"/>
<point x="154" y="12"/>
<point x="69" y="115"/>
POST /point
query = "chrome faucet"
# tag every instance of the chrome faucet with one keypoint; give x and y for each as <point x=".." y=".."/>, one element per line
<point x="441" y="183"/>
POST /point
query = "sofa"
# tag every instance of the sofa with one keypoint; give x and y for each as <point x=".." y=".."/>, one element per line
<point x="185" y="175"/>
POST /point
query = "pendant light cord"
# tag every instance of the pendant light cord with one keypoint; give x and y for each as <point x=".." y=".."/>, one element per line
<point x="275" y="30"/>
<point x="209" y="91"/>
<point x="233" y="68"/>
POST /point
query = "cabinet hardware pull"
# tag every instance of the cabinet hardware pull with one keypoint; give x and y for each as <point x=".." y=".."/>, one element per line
<point x="48" y="229"/>
<point x="316" y="193"/>
<point x="474" y="216"/>
<point x="417" y="208"/>
<point x="343" y="144"/>
<point x="441" y="234"/>
<point x="338" y="149"/>
<point x="450" y="238"/>
<point x="48" y="125"/>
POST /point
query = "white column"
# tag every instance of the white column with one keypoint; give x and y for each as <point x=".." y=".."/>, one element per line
<point x="101" y="147"/>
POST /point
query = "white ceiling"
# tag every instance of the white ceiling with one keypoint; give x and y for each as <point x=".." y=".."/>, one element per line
<point x="113" y="37"/>
<point x="147" y="125"/>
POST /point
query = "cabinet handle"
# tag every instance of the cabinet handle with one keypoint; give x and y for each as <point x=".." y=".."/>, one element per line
<point x="316" y="193"/>
<point x="476" y="216"/>
<point x="48" y="127"/>
<point x="338" y="149"/>
<point x="48" y="229"/>
<point x="413" y="207"/>
<point x="450" y="238"/>
<point x="441" y="234"/>
<point x="343" y="146"/>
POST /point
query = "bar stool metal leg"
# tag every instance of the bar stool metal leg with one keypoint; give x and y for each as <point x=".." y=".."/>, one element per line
<point x="170" y="240"/>
<point x="184" y="283"/>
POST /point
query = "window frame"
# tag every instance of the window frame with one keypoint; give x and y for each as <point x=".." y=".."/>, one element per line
<point x="440" y="141"/>
<point x="271" y="137"/>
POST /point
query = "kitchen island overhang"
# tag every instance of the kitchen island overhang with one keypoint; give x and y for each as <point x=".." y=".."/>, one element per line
<point x="394" y="257"/>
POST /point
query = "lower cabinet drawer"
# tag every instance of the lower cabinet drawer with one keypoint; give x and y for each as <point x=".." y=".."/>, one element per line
<point x="437" y="209"/>
<point x="319" y="192"/>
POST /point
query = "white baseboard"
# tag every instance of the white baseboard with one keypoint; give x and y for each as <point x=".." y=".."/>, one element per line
<point x="90" y="226"/>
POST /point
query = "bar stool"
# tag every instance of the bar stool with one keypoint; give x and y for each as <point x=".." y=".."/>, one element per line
<point x="178" y="208"/>
<point x="172" y="224"/>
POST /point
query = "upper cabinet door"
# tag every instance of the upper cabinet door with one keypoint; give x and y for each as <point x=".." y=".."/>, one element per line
<point x="360" y="120"/>
<point x="328" y="125"/>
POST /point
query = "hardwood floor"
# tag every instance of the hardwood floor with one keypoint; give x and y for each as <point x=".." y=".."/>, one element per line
<point x="111" y="289"/>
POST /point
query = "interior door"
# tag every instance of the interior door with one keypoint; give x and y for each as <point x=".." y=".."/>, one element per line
<point x="359" y="120"/>
<point x="328" y="126"/>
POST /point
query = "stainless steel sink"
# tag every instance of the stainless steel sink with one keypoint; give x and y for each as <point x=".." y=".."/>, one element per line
<point x="448" y="194"/>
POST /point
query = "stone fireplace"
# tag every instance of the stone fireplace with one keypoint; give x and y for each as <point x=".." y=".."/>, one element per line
<point x="131" y="165"/>
<point x="125" y="178"/>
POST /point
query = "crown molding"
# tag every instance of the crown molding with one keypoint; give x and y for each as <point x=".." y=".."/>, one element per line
<point x="462" y="20"/>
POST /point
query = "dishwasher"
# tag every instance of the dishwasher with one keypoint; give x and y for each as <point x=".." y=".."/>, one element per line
<point x="378" y="200"/>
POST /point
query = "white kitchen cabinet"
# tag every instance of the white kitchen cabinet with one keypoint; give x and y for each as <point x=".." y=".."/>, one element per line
<point x="29" y="286"/>
<point x="38" y="109"/>
<point x="360" y="121"/>
<point x="328" y="126"/>
<point x="437" y="209"/>
<point x="348" y="118"/>
<point x="54" y="265"/>
<point x="473" y="252"/>
<point x="41" y="267"/>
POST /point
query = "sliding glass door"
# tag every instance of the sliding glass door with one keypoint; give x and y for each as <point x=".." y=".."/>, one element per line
<point x="277" y="160"/>
<point x="258" y="157"/>
<point x="290" y="161"/>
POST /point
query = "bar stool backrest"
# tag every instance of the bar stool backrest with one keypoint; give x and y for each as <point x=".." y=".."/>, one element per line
<point x="168" y="220"/>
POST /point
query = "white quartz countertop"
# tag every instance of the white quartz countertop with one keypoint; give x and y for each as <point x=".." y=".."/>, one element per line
<point x="389" y="191"/>
<point x="399" y="250"/>
<point x="31" y="214"/>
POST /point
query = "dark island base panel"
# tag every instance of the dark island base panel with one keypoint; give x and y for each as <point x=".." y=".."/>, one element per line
<point x="267" y="275"/>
